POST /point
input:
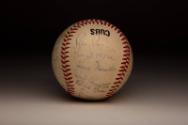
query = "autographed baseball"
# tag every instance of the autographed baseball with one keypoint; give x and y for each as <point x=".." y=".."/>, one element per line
<point x="92" y="59"/>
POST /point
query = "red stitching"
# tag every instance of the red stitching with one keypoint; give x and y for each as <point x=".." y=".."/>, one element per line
<point x="121" y="74"/>
<point x="89" y="21"/>
<point x="65" y="44"/>
<point x="68" y="82"/>
<point x="121" y="34"/>
<point x="64" y="48"/>
<point x="115" y="28"/>
<point x="64" y="62"/>
<point x="126" y="51"/>
<point x="123" y="38"/>
<point x="126" y="55"/>
<point x="102" y="22"/>
<point x="105" y="23"/>
<point x="125" y="42"/>
<point x="115" y="86"/>
<point x="68" y="78"/>
<point x="96" y="20"/>
<point x="64" y="57"/>
<point x="124" y="64"/>
<point x="73" y="28"/>
<point x="117" y="82"/>
<point x="126" y="47"/>
<point x="64" y="52"/>
<point x="112" y="26"/>
<point x="66" y="38"/>
<point x="66" y="68"/>
<point x="70" y="86"/>
<point x="119" y="78"/>
<point x="93" y="21"/>
<point x="112" y="90"/>
<point x="122" y="70"/>
<point x="108" y="24"/>
<point x="126" y="58"/>
<point x="67" y="74"/>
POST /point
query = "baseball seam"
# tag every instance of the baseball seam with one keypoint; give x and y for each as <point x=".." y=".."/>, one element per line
<point x="65" y="62"/>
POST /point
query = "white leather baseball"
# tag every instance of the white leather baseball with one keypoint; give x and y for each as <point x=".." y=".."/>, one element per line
<point x="92" y="59"/>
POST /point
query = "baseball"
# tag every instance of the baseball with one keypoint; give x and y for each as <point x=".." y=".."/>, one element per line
<point x="92" y="59"/>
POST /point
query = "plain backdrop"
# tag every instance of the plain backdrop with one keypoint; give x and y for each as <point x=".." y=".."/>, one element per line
<point x="32" y="26"/>
<point x="156" y="92"/>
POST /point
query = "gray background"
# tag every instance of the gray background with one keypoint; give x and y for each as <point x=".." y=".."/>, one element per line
<point x="156" y="93"/>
